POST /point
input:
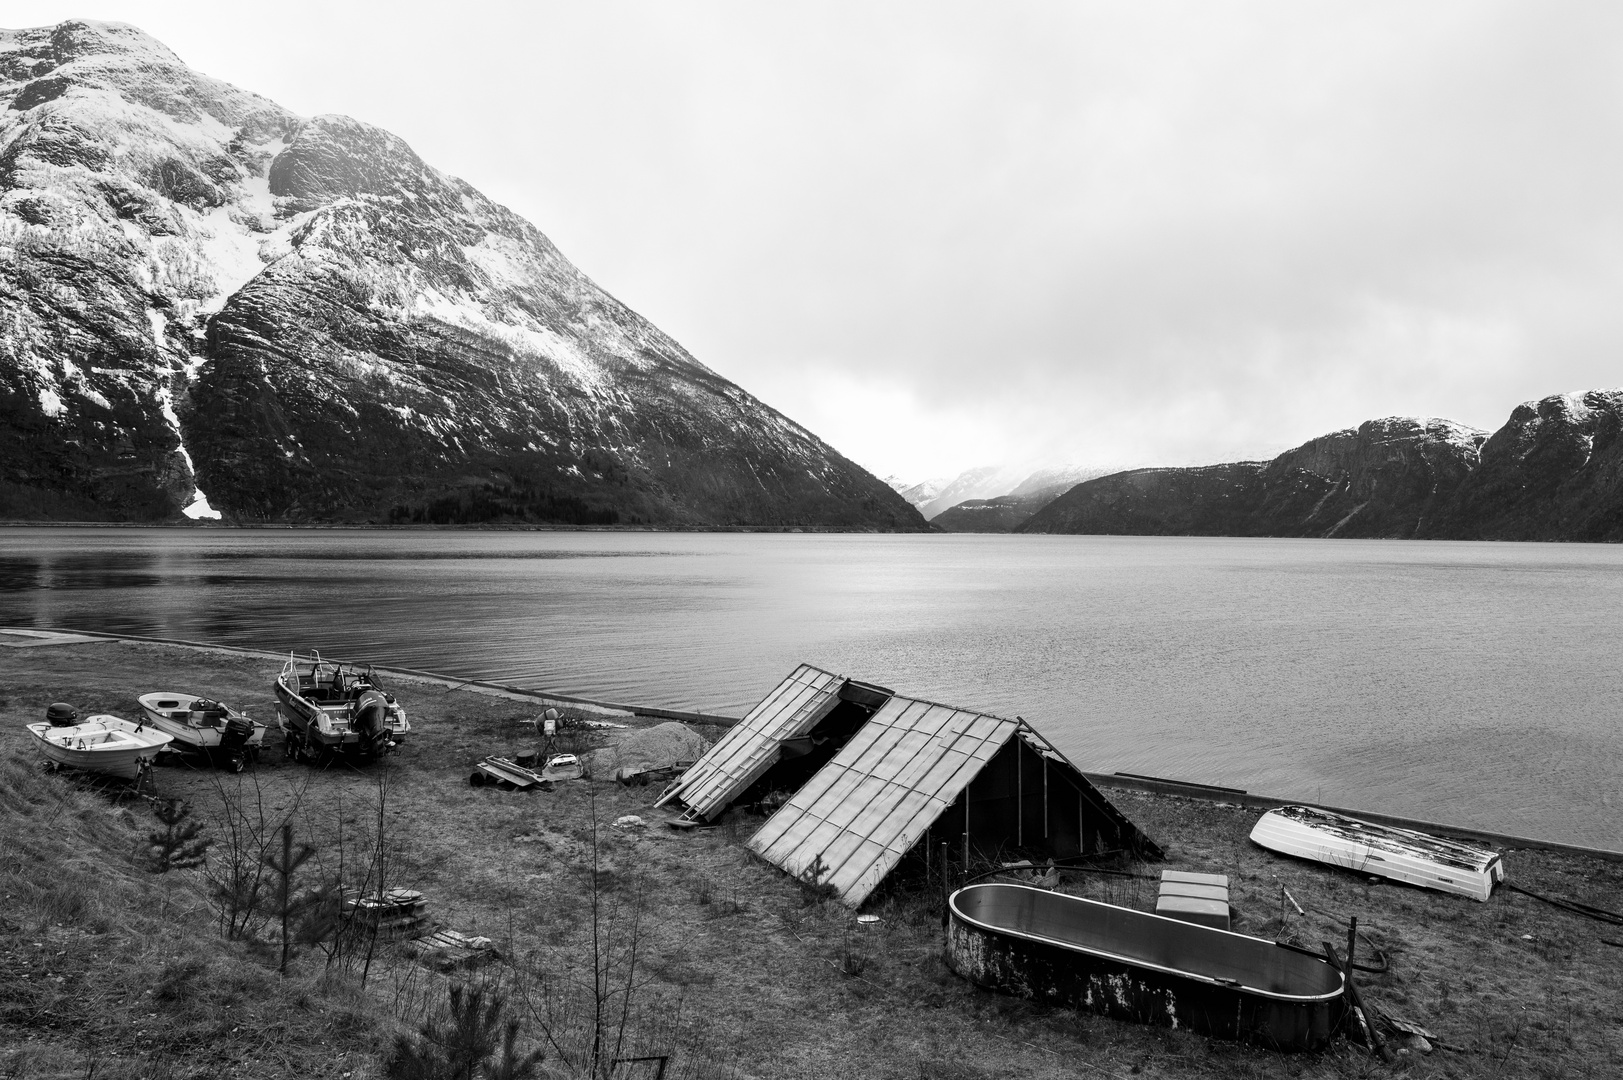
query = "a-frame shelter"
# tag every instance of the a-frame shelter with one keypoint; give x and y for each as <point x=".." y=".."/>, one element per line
<point x="921" y="772"/>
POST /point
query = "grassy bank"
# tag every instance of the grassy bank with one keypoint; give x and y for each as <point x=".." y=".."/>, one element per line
<point x="731" y="968"/>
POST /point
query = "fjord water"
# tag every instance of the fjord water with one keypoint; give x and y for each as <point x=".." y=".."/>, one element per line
<point x="1477" y="684"/>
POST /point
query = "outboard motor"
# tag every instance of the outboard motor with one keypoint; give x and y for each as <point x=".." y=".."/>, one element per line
<point x="235" y="735"/>
<point x="372" y="721"/>
<point x="61" y="714"/>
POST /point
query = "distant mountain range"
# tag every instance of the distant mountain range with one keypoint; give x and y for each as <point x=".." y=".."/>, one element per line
<point x="201" y="292"/>
<point x="1554" y="471"/>
<point x="1020" y="485"/>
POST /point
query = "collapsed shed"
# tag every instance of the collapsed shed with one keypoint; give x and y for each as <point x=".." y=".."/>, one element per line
<point x="894" y="772"/>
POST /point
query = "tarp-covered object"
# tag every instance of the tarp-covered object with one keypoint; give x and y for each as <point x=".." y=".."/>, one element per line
<point x="994" y="782"/>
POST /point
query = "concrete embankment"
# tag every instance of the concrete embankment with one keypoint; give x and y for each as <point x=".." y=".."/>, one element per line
<point x="544" y="697"/>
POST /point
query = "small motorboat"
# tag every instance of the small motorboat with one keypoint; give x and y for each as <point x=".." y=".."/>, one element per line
<point x="327" y="707"/>
<point x="1141" y="967"/>
<point x="102" y="743"/>
<point x="205" y="726"/>
<point x="1415" y="858"/>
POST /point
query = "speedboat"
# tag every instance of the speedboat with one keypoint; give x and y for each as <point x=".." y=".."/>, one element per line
<point x="205" y="726"/>
<point x="1415" y="858"/>
<point x="323" y="706"/>
<point x="102" y="743"/>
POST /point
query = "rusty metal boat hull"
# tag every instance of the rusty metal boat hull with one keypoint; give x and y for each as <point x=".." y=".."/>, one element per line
<point x="1141" y="967"/>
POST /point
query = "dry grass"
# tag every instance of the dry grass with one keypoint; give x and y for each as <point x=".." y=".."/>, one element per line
<point x="737" y="974"/>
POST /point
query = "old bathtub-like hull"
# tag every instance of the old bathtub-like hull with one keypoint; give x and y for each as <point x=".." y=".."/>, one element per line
<point x="1415" y="858"/>
<point x="1136" y="966"/>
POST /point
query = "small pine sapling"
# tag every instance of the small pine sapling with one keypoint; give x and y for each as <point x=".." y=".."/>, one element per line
<point x="464" y="1045"/>
<point x="180" y="845"/>
<point x="813" y="888"/>
<point x="305" y="915"/>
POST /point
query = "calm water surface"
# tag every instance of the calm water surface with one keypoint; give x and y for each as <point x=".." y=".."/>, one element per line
<point x="1471" y="683"/>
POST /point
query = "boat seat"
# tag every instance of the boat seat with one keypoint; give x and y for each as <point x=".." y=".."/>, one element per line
<point x="1194" y="898"/>
<point x="1190" y="909"/>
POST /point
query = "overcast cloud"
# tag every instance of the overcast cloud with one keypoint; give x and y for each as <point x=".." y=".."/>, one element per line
<point x="943" y="235"/>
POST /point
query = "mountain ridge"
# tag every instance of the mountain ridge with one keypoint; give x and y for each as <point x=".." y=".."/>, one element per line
<point x="1553" y="471"/>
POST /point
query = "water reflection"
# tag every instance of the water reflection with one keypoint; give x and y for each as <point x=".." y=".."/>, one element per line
<point x="97" y="571"/>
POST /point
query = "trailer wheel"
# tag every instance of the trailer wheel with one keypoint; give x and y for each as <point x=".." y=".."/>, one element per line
<point x="477" y="779"/>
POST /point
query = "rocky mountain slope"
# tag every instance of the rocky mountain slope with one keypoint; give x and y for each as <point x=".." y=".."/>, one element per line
<point x="1553" y="472"/>
<point x="1000" y="515"/>
<point x="202" y="292"/>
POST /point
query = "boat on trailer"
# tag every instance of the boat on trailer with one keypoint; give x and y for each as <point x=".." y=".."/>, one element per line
<point x="1141" y="967"/>
<point x="205" y="726"/>
<point x="1415" y="858"/>
<point x="324" y="706"/>
<point x="103" y="743"/>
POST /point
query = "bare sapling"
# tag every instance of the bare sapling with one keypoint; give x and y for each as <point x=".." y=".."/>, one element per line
<point x="245" y="833"/>
<point x="589" y="1020"/>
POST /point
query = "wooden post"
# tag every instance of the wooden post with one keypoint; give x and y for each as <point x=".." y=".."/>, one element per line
<point x="1019" y="791"/>
<point x="1366" y="1025"/>
<point x="1081" y="827"/>
<point x="966" y="826"/>
<point x="1045" y="796"/>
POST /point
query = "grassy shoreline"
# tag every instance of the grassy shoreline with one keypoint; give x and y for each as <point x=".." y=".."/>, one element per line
<point x="739" y="973"/>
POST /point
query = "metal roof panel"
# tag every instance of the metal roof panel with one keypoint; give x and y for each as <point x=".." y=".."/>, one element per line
<point x="869" y="805"/>
<point x="739" y="757"/>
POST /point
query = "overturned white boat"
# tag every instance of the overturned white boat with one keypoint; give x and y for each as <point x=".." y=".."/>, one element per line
<point x="205" y="726"/>
<point x="1415" y="858"/>
<point x="103" y="743"/>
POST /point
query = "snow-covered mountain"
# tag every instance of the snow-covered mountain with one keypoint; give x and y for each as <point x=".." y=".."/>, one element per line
<point x="987" y="482"/>
<point x="920" y="493"/>
<point x="203" y="292"/>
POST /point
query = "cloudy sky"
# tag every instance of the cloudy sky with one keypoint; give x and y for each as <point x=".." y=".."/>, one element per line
<point x="943" y="235"/>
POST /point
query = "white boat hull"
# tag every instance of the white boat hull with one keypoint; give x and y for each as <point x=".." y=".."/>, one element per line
<point x="191" y="728"/>
<point x="1414" y="858"/>
<point x="104" y="744"/>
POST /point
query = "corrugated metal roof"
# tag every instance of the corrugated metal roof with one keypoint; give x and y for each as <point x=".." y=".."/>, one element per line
<point x="790" y="710"/>
<point x="867" y="807"/>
